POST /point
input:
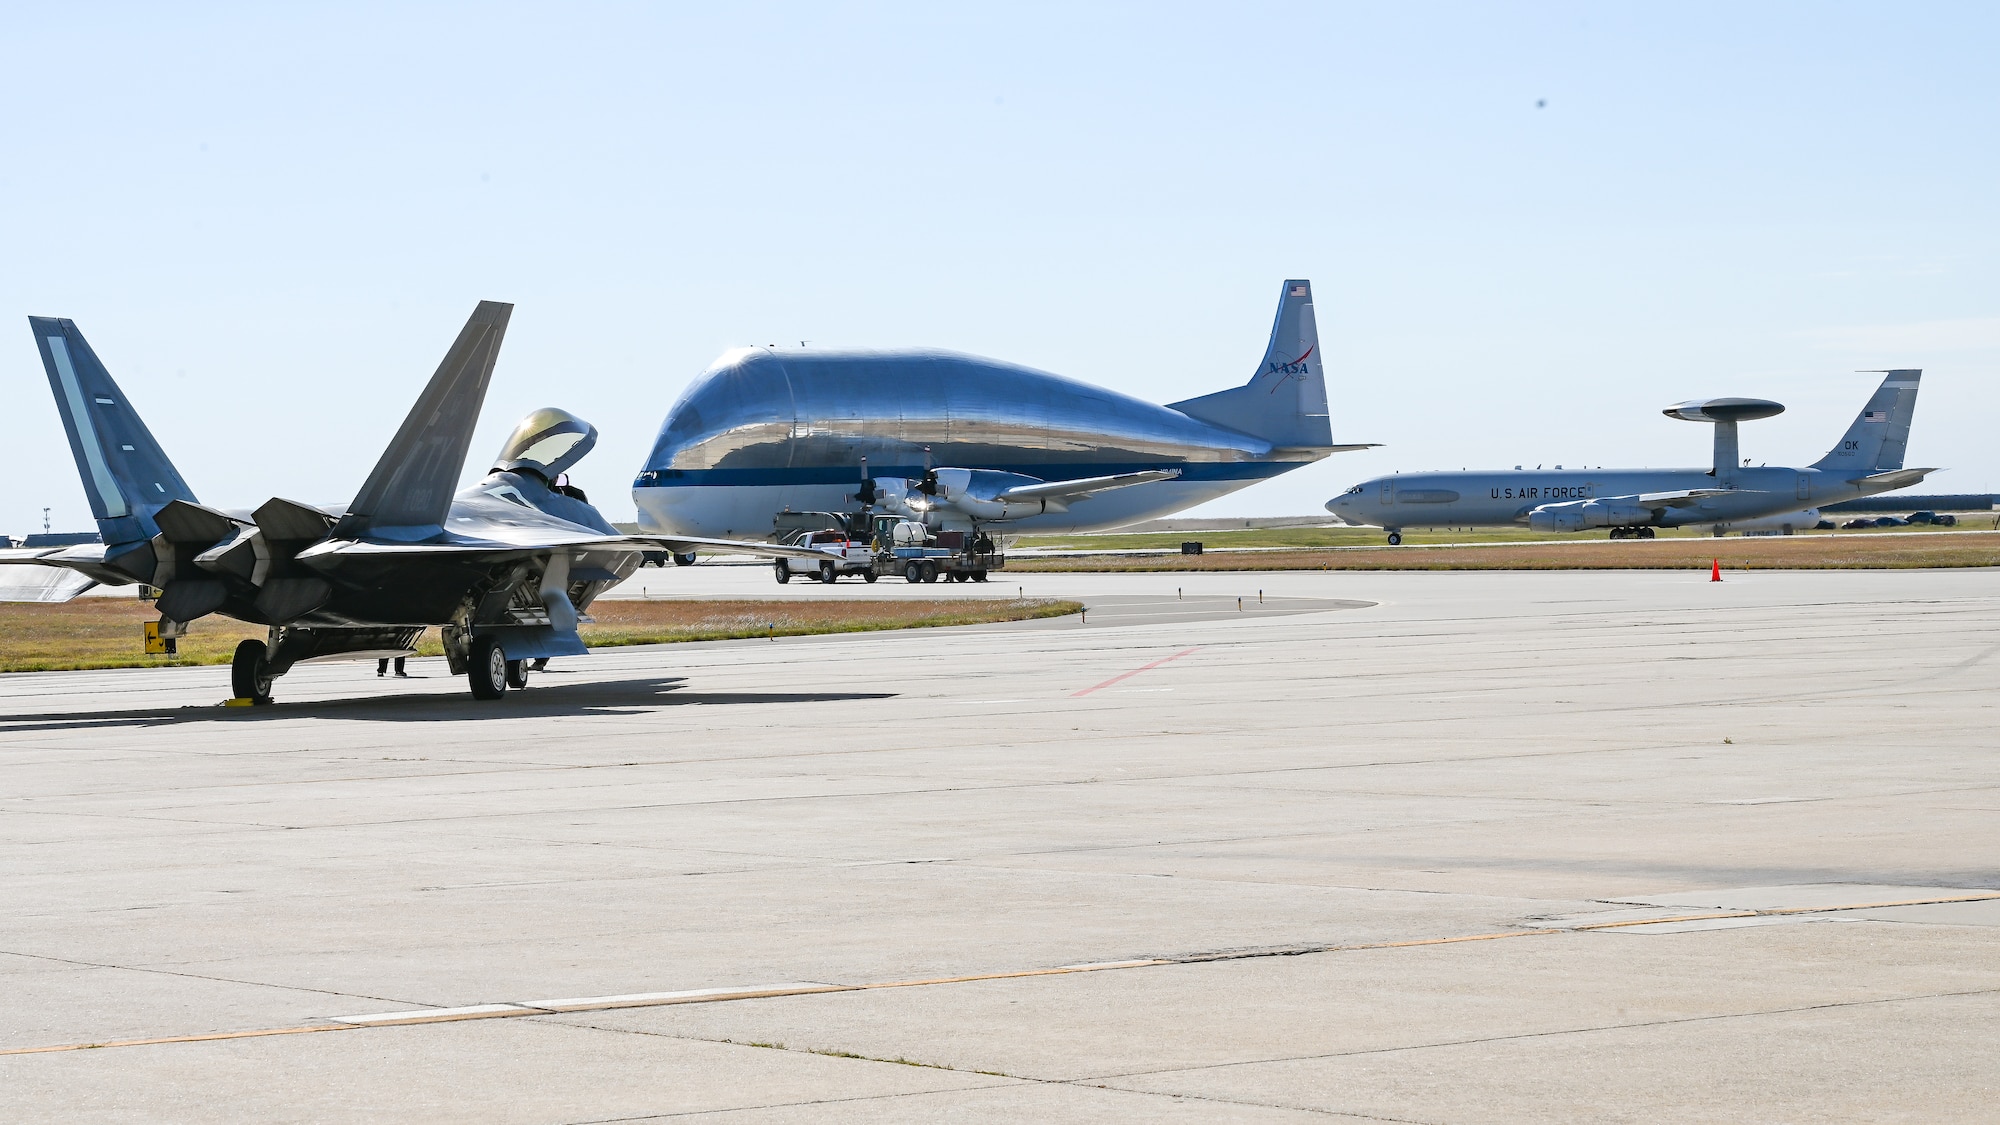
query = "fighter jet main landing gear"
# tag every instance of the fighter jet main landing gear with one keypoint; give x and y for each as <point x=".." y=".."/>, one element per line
<point x="250" y="672"/>
<point x="1395" y="539"/>
<point x="486" y="669"/>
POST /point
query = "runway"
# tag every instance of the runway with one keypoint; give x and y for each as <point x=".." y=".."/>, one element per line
<point x="1424" y="847"/>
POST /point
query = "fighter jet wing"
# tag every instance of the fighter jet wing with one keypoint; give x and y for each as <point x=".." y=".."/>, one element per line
<point x="333" y="550"/>
<point x="1088" y="486"/>
<point x="39" y="575"/>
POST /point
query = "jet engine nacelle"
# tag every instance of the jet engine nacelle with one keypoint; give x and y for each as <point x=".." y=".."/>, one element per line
<point x="1576" y="515"/>
<point x="976" y="494"/>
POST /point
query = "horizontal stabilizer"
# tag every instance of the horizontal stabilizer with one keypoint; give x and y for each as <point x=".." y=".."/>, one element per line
<point x="36" y="582"/>
<point x="410" y="490"/>
<point x="1087" y="486"/>
<point x="1898" y="478"/>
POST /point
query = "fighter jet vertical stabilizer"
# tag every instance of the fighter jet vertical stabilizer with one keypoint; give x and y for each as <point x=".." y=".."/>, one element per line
<point x="410" y="490"/>
<point x="126" y="475"/>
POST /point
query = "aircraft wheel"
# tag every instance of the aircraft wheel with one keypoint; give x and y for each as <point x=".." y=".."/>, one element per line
<point x="686" y="559"/>
<point x="929" y="572"/>
<point x="827" y="573"/>
<point x="517" y="673"/>
<point x="979" y="576"/>
<point x="250" y="672"/>
<point x="913" y="572"/>
<point x="868" y="576"/>
<point x="1395" y="539"/>
<point x="784" y="572"/>
<point x="486" y="671"/>
<point x="1645" y="533"/>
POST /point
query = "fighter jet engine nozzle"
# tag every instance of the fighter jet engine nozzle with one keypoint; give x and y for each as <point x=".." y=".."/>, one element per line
<point x="1724" y="409"/>
<point x="1580" y="514"/>
<point x="547" y="442"/>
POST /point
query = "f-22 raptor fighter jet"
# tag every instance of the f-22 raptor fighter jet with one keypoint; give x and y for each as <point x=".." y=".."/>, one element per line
<point x="504" y="566"/>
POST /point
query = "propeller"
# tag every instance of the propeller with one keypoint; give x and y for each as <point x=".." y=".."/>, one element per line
<point x="866" y="493"/>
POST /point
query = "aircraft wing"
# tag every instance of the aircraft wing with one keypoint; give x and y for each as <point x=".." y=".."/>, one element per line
<point x="1684" y="498"/>
<point x="41" y="575"/>
<point x="333" y="550"/>
<point x="1088" y="486"/>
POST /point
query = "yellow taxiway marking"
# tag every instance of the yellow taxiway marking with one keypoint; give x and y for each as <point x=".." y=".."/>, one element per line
<point x="577" y="1004"/>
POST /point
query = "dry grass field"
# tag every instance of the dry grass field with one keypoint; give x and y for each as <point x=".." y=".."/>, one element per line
<point x="107" y="632"/>
<point x="1859" y="550"/>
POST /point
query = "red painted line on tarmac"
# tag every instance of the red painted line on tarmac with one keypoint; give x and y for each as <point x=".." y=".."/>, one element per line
<point x="1128" y="675"/>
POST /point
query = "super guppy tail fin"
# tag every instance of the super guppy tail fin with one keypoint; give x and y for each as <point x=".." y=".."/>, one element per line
<point x="409" y="492"/>
<point x="1880" y="434"/>
<point x="126" y="474"/>
<point x="1284" y="403"/>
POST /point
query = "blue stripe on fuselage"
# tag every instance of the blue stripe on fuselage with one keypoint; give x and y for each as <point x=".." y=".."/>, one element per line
<point x="848" y="474"/>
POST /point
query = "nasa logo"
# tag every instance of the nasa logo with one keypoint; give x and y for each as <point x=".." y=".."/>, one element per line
<point x="1287" y="369"/>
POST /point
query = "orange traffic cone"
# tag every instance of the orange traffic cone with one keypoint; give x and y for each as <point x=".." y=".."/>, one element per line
<point x="1715" y="571"/>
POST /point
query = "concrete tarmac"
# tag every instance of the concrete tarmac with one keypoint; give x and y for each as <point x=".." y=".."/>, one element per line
<point x="1457" y="847"/>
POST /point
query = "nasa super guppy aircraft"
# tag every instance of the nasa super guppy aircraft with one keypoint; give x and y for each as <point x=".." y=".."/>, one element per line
<point x="957" y="441"/>
<point x="1728" y="496"/>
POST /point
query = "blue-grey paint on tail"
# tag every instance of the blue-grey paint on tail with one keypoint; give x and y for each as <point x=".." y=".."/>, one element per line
<point x="1284" y="403"/>
<point x="126" y="475"/>
<point x="1881" y="432"/>
<point x="409" y="491"/>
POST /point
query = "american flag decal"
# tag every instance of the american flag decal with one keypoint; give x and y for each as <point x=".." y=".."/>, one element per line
<point x="1298" y="290"/>
<point x="1875" y="416"/>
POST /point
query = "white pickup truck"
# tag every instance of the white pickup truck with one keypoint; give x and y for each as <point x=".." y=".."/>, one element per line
<point x="851" y="556"/>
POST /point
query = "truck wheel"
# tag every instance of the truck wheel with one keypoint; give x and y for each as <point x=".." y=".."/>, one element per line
<point x="868" y="576"/>
<point x="930" y="572"/>
<point x="784" y="572"/>
<point x="827" y="574"/>
<point x="979" y="576"/>
<point x="250" y="672"/>
<point x="486" y="671"/>
<point x="913" y="573"/>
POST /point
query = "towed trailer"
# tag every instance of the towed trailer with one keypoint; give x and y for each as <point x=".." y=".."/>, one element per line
<point x="871" y="546"/>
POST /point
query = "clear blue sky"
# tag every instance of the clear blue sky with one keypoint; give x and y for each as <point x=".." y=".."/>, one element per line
<point x="270" y="220"/>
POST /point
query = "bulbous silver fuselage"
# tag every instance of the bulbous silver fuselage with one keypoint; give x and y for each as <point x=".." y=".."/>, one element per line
<point x="764" y="431"/>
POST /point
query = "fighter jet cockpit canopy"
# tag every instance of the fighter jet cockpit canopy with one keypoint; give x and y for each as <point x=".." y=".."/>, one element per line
<point x="548" y="443"/>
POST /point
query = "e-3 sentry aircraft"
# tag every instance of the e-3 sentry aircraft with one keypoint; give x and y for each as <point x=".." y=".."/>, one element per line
<point x="1633" y="502"/>
<point x="503" y="566"/>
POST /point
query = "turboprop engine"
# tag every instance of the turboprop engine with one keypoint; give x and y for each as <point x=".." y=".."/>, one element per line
<point x="976" y="494"/>
<point x="1579" y="514"/>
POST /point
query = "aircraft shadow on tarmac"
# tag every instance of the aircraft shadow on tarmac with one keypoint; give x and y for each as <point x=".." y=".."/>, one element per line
<point x="544" y="700"/>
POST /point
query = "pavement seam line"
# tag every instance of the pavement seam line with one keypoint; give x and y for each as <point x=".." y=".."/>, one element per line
<point x="508" y="1010"/>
